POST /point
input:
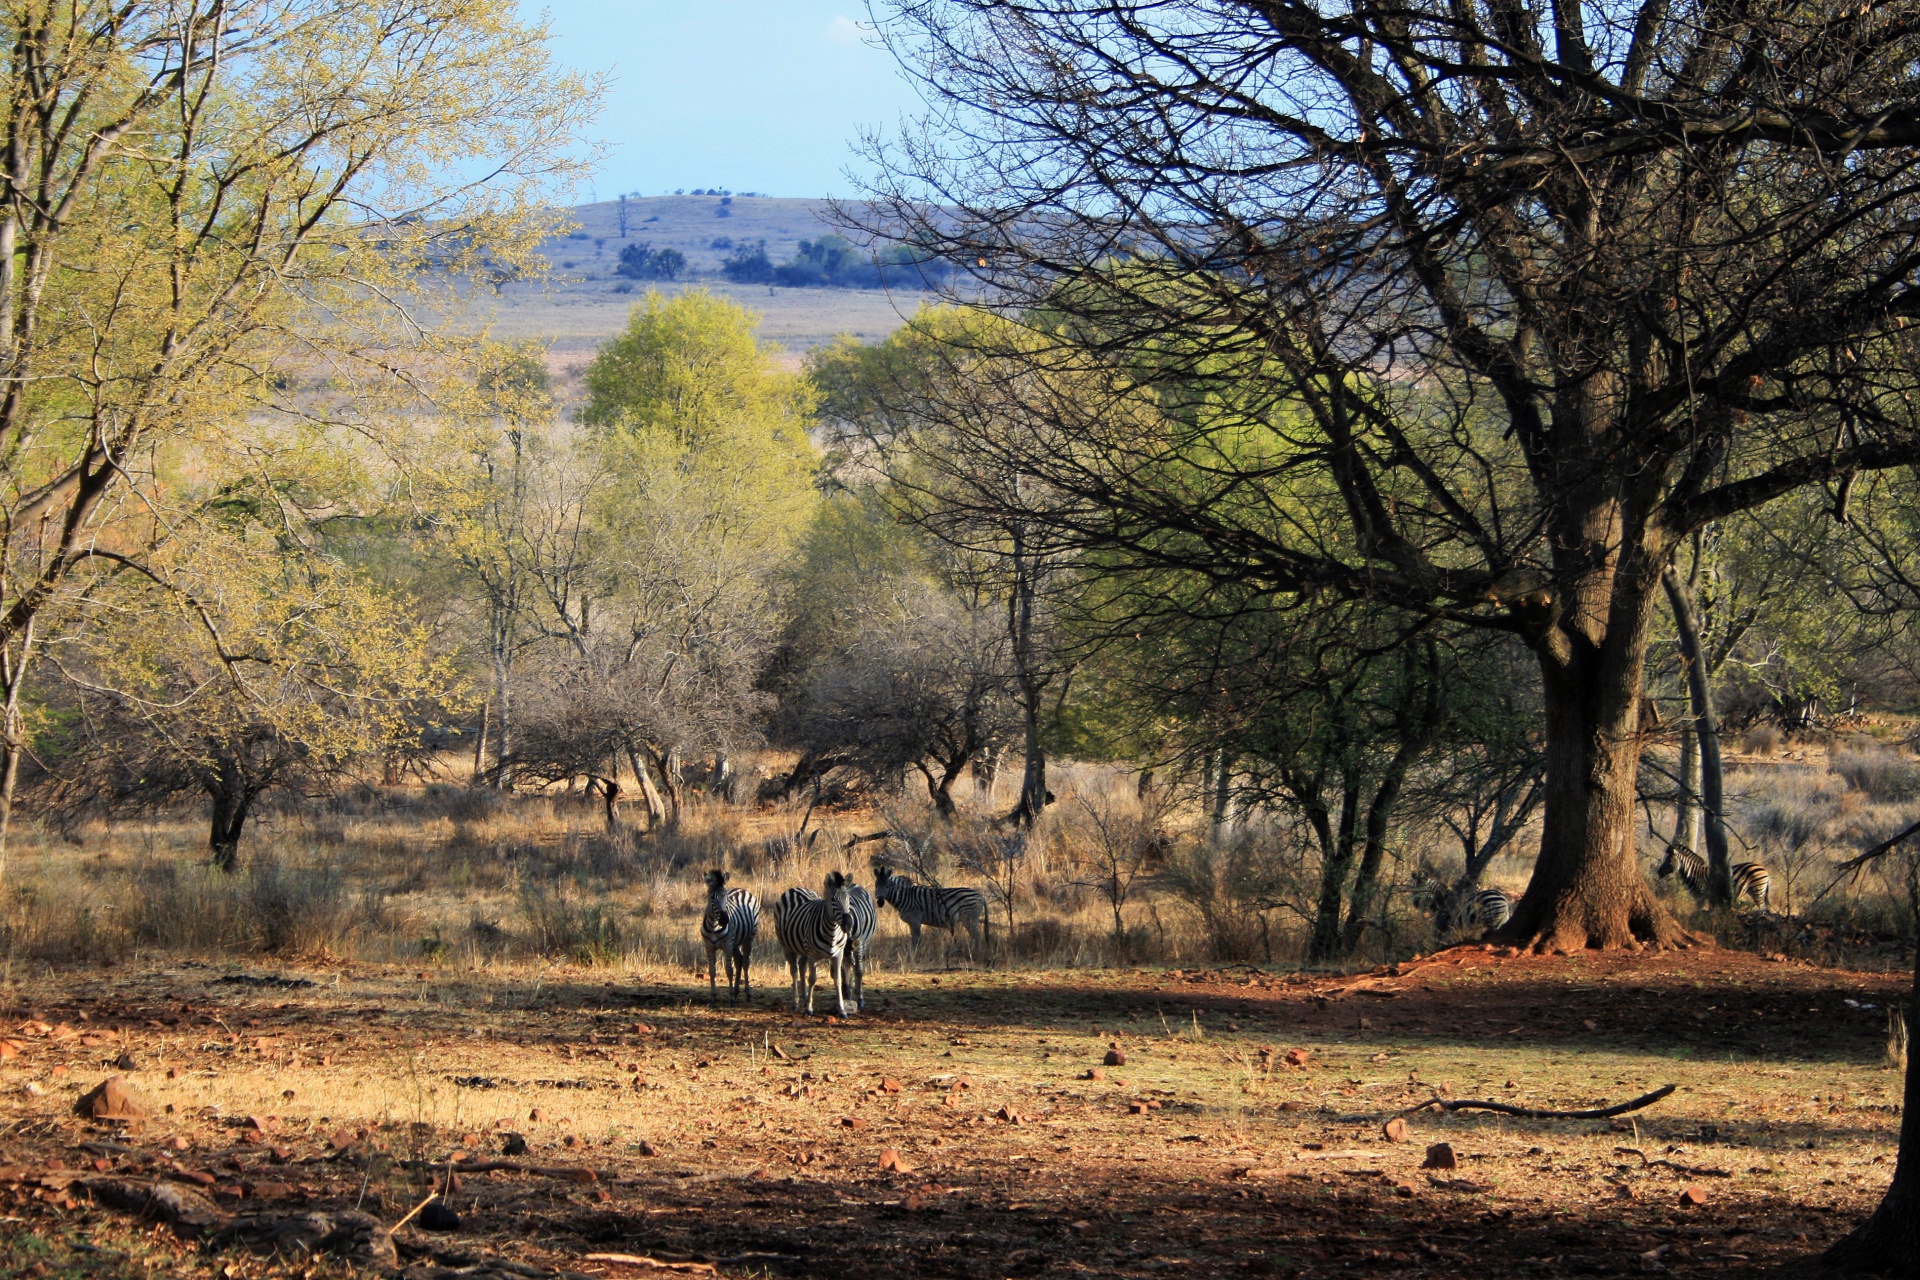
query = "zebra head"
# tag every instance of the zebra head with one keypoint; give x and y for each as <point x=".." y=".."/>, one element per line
<point x="1670" y="863"/>
<point x="716" y="897"/>
<point x="839" y="898"/>
<point x="883" y="880"/>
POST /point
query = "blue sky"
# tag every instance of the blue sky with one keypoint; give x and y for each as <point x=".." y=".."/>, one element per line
<point x="751" y="95"/>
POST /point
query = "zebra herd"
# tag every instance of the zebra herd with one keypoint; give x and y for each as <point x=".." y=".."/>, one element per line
<point x="832" y="928"/>
<point x="1488" y="909"/>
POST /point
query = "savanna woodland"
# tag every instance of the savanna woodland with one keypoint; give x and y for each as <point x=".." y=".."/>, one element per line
<point x="1341" y="697"/>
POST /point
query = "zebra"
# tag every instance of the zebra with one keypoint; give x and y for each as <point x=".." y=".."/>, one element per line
<point x="1750" y="879"/>
<point x="812" y="929"/>
<point x="866" y="916"/>
<point x="922" y="904"/>
<point x="1485" y="909"/>
<point x="731" y="924"/>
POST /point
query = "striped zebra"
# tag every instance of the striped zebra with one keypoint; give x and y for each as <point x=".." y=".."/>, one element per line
<point x="729" y="927"/>
<point x="866" y="916"/>
<point x="812" y="929"/>
<point x="922" y="904"/>
<point x="1485" y="909"/>
<point x="1750" y="879"/>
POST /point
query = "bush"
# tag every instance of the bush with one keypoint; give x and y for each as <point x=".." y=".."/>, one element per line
<point x="1882" y="775"/>
<point x="643" y="262"/>
<point x="748" y="264"/>
<point x="558" y="926"/>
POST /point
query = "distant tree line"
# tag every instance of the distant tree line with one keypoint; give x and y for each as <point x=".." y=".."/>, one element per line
<point x="832" y="262"/>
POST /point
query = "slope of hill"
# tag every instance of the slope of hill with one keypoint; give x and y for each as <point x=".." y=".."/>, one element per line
<point x="585" y="302"/>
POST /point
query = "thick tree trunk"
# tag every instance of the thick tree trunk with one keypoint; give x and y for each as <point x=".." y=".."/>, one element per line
<point x="1220" y="794"/>
<point x="1706" y="728"/>
<point x="1889" y="1241"/>
<point x="1588" y="889"/>
<point x="1686" y="818"/>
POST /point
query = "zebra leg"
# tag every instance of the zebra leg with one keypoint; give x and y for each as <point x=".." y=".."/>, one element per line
<point x="837" y="970"/>
<point x="794" y="964"/>
<point x="713" y="954"/>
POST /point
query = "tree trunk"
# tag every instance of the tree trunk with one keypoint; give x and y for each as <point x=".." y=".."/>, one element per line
<point x="480" y="744"/>
<point x="13" y="676"/>
<point x="230" y="807"/>
<point x="1686" y="818"/>
<point x="1889" y="1241"/>
<point x="1588" y="889"/>
<point x="1706" y="729"/>
<point x="503" y="704"/>
<point x="1336" y="860"/>
<point x="656" y="807"/>
<point x="1220" y="795"/>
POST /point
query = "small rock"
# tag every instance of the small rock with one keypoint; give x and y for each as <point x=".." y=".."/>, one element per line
<point x="648" y="1149"/>
<point x="853" y="1122"/>
<point x="1440" y="1156"/>
<point x="1394" y="1130"/>
<point x="513" y="1144"/>
<point x="437" y="1217"/>
<point x="891" y="1162"/>
<point x="1693" y="1194"/>
<point x="1404" y="1189"/>
<point x="536" y="1115"/>
<point x="572" y="1142"/>
<point x="890" y="1085"/>
<point x="32" y="1089"/>
<point x="10" y="1049"/>
<point x="1296" y="1058"/>
<point x="1115" y="1058"/>
<point x="1008" y="1114"/>
<point x="268" y="1190"/>
<point x="111" y="1099"/>
<point x="1293" y="1106"/>
<point x="1096" y="1073"/>
<point x="128" y="1062"/>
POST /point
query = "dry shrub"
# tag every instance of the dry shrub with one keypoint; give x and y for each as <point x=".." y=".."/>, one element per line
<point x="1762" y="740"/>
<point x="557" y="925"/>
<point x="1884" y="776"/>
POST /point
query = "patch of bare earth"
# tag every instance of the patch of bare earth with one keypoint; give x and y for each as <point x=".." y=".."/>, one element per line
<point x="967" y="1125"/>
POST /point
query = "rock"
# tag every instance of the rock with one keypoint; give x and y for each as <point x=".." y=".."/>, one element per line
<point x="10" y="1049"/>
<point x="1404" y="1189"/>
<point x="853" y="1122"/>
<point x="1394" y="1130"/>
<point x="175" y="1205"/>
<point x="111" y="1099"/>
<point x="1440" y="1156"/>
<point x="128" y="1062"/>
<point x="1293" y="1106"/>
<point x="1296" y="1058"/>
<point x="1096" y="1073"/>
<point x="1008" y="1114"/>
<point x="437" y="1217"/>
<point x="1693" y="1194"/>
<point x="1115" y="1058"/>
<point x="513" y="1144"/>
<point x="572" y="1142"/>
<point x="890" y="1085"/>
<point x="891" y="1162"/>
<point x="536" y="1115"/>
<point x="648" y="1149"/>
<point x="267" y="1190"/>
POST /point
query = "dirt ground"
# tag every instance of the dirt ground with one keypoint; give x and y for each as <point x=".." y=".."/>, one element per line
<point x="955" y="1129"/>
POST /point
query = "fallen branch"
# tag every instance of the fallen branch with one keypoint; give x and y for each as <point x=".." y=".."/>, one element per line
<point x="642" y="1260"/>
<point x="1692" y="1170"/>
<point x="566" y="1173"/>
<point x="414" y="1212"/>
<point x="1852" y="866"/>
<point x="1540" y="1113"/>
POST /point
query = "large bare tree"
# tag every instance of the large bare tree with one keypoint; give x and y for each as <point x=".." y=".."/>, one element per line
<point x="1467" y="307"/>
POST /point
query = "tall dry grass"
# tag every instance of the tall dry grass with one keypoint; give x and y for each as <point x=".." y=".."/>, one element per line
<point x="449" y="875"/>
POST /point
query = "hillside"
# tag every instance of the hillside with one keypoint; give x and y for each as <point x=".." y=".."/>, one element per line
<point x="585" y="302"/>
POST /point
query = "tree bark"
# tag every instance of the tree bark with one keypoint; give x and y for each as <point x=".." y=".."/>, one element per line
<point x="1588" y="890"/>
<point x="480" y="744"/>
<point x="13" y="675"/>
<point x="1706" y="730"/>
<point x="1336" y="859"/>
<point x="1686" y="818"/>
<point x="229" y="818"/>
<point x="1889" y="1241"/>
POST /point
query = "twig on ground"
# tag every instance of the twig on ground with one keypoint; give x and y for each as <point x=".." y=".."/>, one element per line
<point x="1540" y="1113"/>
<point x="1693" y="1170"/>
<point x="642" y="1260"/>
<point x="414" y="1212"/>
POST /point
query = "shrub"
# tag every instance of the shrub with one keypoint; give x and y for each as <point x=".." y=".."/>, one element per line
<point x="1882" y="775"/>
